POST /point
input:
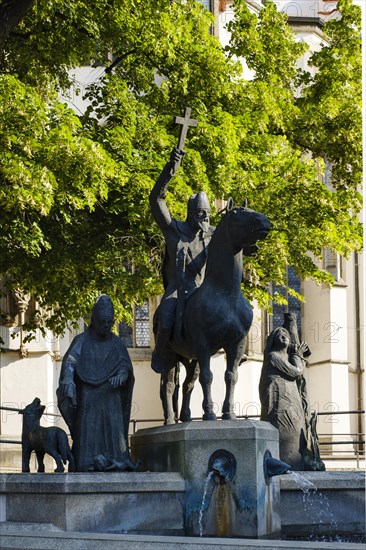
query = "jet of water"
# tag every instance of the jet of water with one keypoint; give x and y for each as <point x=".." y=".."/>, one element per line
<point x="301" y="481"/>
<point x="203" y="502"/>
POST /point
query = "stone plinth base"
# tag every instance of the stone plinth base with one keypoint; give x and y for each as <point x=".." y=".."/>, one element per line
<point x="243" y="506"/>
<point x="130" y="502"/>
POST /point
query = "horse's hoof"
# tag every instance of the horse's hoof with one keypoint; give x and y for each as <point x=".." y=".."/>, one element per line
<point x="229" y="416"/>
<point x="185" y="417"/>
<point x="169" y="421"/>
<point x="209" y="416"/>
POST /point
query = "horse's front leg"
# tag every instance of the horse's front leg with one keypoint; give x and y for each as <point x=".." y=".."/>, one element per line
<point x="233" y="356"/>
<point x="167" y="387"/>
<point x="192" y="370"/>
<point x="205" y="378"/>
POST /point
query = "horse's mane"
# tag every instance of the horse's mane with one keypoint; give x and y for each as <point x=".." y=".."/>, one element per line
<point x="222" y="226"/>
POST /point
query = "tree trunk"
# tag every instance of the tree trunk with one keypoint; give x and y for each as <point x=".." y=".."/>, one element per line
<point x="11" y="14"/>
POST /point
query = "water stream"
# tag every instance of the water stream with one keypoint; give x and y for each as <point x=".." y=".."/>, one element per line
<point x="269" y="510"/>
<point x="318" y="506"/>
<point x="203" y="502"/>
<point x="301" y="481"/>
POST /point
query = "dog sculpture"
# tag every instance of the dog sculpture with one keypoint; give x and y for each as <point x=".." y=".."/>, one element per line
<point x="52" y="440"/>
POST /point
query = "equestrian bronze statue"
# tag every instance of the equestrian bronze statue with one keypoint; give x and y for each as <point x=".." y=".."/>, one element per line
<point x="203" y="308"/>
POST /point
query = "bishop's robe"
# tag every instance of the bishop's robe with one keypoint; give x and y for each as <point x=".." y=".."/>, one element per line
<point x="97" y="414"/>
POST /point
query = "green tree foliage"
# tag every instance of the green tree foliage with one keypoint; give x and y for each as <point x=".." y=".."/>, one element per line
<point x="74" y="218"/>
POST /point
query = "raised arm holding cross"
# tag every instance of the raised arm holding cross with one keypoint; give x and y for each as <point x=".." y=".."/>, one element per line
<point x="186" y="122"/>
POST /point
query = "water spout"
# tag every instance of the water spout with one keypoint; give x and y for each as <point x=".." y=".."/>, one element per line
<point x="223" y="464"/>
<point x="219" y="468"/>
<point x="220" y="511"/>
<point x="274" y="467"/>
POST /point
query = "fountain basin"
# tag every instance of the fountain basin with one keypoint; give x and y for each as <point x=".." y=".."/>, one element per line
<point x="153" y="503"/>
<point x="241" y="506"/>
<point x="336" y="508"/>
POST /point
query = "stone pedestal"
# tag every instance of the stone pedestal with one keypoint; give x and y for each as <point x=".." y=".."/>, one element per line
<point x="242" y="505"/>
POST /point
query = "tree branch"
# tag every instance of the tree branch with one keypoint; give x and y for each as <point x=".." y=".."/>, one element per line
<point x="117" y="61"/>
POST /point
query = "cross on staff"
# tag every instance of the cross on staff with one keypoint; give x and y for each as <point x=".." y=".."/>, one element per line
<point x="186" y="122"/>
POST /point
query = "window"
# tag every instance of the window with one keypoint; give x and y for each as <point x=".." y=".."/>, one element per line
<point x="333" y="263"/>
<point x="294" y="306"/>
<point x="137" y="336"/>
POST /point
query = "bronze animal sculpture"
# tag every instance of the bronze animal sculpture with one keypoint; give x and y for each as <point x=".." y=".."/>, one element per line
<point x="215" y="315"/>
<point x="103" y="464"/>
<point x="52" y="440"/>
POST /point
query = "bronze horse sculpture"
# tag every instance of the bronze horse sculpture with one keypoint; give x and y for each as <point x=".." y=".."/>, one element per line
<point x="216" y="315"/>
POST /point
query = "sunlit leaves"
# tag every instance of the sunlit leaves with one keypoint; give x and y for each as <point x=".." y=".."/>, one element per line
<point x="329" y="119"/>
<point x="75" y="218"/>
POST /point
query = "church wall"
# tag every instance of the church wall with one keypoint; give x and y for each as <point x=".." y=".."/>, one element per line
<point x="337" y="330"/>
<point x="355" y="317"/>
<point x="313" y="38"/>
<point x="246" y="392"/>
<point x="146" y="402"/>
<point x="247" y="388"/>
<point x="222" y="19"/>
<point x="21" y="381"/>
<point x="316" y="319"/>
<point x="330" y="334"/>
<point x="82" y="77"/>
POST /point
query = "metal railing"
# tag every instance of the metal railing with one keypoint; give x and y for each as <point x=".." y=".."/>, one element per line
<point x="356" y="440"/>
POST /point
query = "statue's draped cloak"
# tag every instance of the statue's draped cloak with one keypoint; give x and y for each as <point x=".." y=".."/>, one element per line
<point x="99" y="420"/>
<point x="185" y="253"/>
<point x="282" y="405"/>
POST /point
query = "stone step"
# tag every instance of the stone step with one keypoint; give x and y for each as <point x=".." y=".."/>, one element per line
<point x="16" y="526"/>
<point x="40" y="540"/>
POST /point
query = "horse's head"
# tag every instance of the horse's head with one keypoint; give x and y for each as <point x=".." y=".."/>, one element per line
<point x="245" y="228"/>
